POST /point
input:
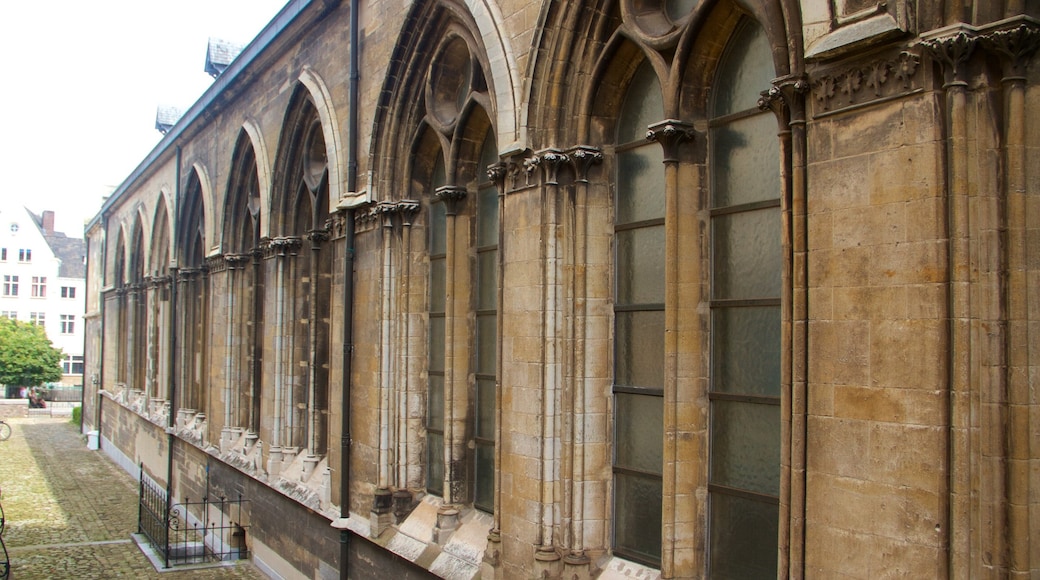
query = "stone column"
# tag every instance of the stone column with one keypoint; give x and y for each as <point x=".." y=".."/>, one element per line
<point x="455" y="399"/>
<point x="576" y="562"/>
<point x="670" y="133"/>
<point x="315" y="425"/>
<point x="1014" y="46"/>
<point x="952" y="52"/>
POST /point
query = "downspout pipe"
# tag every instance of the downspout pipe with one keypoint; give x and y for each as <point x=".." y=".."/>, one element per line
<point x="348" y="292"/>
<point x="171" y="421"/>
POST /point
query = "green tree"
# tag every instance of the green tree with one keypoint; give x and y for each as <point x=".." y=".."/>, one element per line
<point x="27" y="357"/>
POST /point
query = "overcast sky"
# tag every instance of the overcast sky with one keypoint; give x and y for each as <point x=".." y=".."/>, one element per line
<point x="81" y="83"/>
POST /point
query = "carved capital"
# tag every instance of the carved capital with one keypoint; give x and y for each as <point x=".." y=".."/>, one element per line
<point x="282" y="246"/>
<point x="1014" y="46"/>
<point x="452" y="196"/>
<point x="582" y="158"/>
<point x="670" y="133"/>
<point x="952" y="52"/>
<point x="316" y="237"/>
<point x="408" y="208"/>
<point x="785" y="95"/>
<point x="551" y="159"/>
<point x="236" y="261"/>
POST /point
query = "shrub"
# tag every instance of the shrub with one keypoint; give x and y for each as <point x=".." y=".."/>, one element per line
<point x="77" y="416"/>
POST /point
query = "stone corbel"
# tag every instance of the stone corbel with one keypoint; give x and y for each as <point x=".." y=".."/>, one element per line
<point x="497" y="173"/>
<point x="670" y="133"/>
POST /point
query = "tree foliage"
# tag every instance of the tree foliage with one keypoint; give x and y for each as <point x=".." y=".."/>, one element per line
<point x="27" y="357"/>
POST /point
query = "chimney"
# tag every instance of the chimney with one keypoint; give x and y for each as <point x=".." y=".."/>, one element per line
<point x="48" y="222"/>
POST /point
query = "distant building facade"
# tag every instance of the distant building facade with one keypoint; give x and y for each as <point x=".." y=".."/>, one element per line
<point x="588" y="289"/>
<point x="43" y="274"/>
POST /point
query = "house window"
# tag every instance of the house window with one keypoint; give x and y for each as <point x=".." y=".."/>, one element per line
<point x="14" y="228"/>
<point x="13" y="315"/>
<point x="39" y="286"/>
<point x="37" y="318"/>
<point x="68" y="291"/>
<point x="10" y="285"/>
<point x="25" y="255"/>
<point x="72" y="365"/>
<point x="639" y="253"/>
<point x="3" y="254"/>
<point x="68" y="323"/>
<point x="746" y="268"/>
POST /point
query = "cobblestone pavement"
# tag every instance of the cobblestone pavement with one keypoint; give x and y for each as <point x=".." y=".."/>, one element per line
<point x="70" y="511"/>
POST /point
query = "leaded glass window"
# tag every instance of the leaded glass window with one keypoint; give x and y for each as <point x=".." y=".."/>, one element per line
<point x="744" y="392"/>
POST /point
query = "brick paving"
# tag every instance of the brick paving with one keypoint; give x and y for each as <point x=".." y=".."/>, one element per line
<point x="70" y="511"/>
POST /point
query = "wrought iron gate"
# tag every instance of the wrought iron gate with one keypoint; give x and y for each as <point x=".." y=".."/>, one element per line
<point x="191" y="532"/>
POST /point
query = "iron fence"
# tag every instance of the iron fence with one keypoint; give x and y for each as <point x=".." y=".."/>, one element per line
<point x="191" y="532"/>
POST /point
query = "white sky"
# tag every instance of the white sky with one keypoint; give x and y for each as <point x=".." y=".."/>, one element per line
<point x="81" y="81"/>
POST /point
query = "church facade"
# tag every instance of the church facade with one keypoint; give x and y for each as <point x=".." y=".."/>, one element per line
<point x="593" y="289"/>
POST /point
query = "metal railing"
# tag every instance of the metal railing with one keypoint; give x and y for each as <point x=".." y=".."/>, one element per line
<point x="191" y="532"/>
<point x="5" y="560"/>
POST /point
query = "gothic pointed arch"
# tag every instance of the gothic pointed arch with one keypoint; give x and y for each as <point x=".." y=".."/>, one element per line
<point x="264" y="172"/>
<point x="301" y="271"/>
<point x="243" y="201"/>
<point x="640" y="80"/>
<point x="441" y="58"/>
<point x="192" y="308"/>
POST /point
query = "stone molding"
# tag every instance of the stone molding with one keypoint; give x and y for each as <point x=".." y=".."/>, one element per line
<point x="866" y="83"/>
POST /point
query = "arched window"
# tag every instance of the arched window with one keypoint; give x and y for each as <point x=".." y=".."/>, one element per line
<point x="746" y="268"/>
<point x="639" y="321"/>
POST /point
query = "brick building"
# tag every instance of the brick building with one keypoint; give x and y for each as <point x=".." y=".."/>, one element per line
<point x="499" y="289"/>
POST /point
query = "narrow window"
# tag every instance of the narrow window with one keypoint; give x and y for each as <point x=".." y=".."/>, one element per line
<point x="39" y="286"/>
<point x="3" y="254"/>
<point x="639" y="213"/>
<point x="435" y="370"/>
<point x="487" y="329"/>
<point x="744" y="391"/>
<point x="25" y="255"/>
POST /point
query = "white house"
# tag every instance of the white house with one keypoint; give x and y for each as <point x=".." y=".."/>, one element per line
<point x="43" y="280"/>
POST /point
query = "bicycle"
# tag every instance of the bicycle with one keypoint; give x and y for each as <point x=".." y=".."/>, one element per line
<point x="5" y="431"/>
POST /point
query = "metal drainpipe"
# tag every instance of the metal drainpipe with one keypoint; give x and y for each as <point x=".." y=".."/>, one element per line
<point x="348" y="292"/>
<point x="101" y="345"/>
<point x="171" y="421"/>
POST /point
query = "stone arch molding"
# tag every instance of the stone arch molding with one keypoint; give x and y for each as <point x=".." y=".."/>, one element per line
<point x="510" y="116"/>
<point x="263" y="172"/>
<point x="208" y="218"/>
<point x="334" y="150"/>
